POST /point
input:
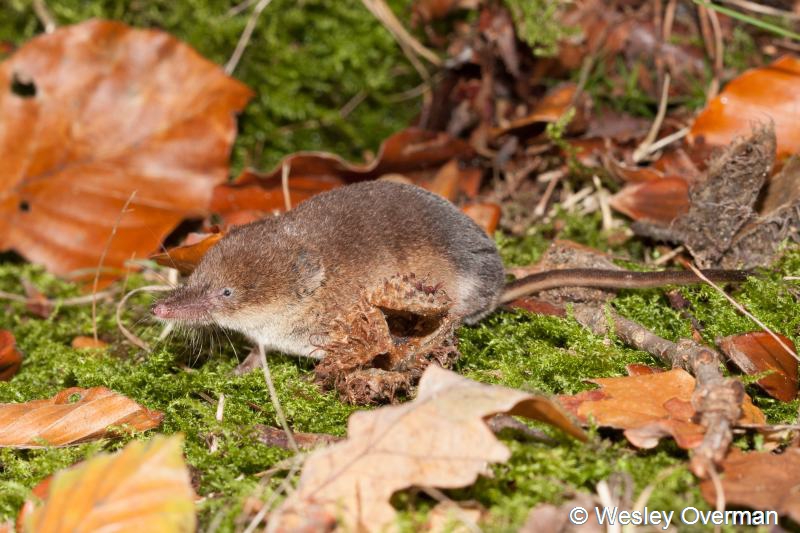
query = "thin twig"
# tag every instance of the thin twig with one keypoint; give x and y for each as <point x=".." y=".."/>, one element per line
<point x="382" y="12"/>
<point x="44" y="16"/>
<point x="667" y="140"/>
<point x="103" y="258"/>
<point x="743" y="310"/>
<point x="669" y="256"/>
<point x="541" y="206"/>
<point x="642" y="150"/>
<point x="276" y="403"/>
<point x="244" y="39"/>
<point x="125" y="332"/>
<point x="719" y="55"/>
<point x="287" y="195"/>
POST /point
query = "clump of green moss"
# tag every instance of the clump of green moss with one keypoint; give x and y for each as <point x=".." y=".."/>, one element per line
<point x="538" y="25"/>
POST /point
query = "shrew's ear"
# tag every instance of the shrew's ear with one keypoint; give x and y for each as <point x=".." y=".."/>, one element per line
<point x="310" y="271"/>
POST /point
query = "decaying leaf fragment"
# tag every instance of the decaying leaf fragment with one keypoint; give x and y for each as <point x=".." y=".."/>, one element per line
<point x="758" y="351"/>
<point x="111" y="110"/>
<point x="648" y="407"/>
<point x="72" y="416"/>
<point x="737" y="215"/>
<point x="187" y="256"/>
<point x="10" y="356"/>
<point x="760" y="480"/>
<point x="143" y="488"/>
<point x="379" y="348"/>
<point x="440" y="439"/>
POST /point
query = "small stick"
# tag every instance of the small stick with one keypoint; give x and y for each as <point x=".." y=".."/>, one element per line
<point x="244" y="39"/>
<point x="541" y="206"/>
<point x="44" y="16"/>
<point x="103" y="258"/>
<point x="641" y="151"/>
<point x="667" y="140"/>
<point x="742" y="310"/>
<point x="287" y="197"/>
<point x="276" y="403"/>
<point x="220" y="407"/>
<point x="125" y="332"/>
<point x="383" y="13"/>
<point x="719" y="55"/>
<point x="669" y="256"/>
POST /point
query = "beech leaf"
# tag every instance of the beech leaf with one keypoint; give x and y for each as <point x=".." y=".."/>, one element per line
<point x="440" y="439"/>
<point x="759" y="352"/>
<point x="145" y="487"/>
<point x="766" y="94"/>
<point x="72" y="416"/>
<point x="113" y="110"/>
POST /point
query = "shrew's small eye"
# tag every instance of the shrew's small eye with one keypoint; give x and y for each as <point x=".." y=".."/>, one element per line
<point x="227" y="293"/>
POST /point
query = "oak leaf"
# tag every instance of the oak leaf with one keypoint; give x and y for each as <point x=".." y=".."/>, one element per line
<point x="440" y="439"/>
<point x="648" y="407"/>
<point x="72" y="416"/>
<point x="10" y="356"/>
<point x="108" y="110"/>
<point x="144" y="487"/>
<point x="760" y="480"/>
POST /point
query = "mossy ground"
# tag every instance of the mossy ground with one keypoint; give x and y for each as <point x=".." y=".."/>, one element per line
<point x="307" y="59"/>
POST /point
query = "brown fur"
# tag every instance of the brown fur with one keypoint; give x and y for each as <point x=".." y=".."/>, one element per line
<point x="285" y="272"/>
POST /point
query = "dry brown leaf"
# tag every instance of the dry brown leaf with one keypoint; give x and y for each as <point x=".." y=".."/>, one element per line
<point x="486" y="215"/>
<point x="767" y="94"/>
<point x="657" y="200"/>
<point x="72" y="416"/>
<point x="440" y="439"/>
<point x="145" y="487"/>
<point x="114" y="110"/>
<point x="10" y="356"/>
<point x="415" y="153"/>
<point x="648" y="407"/>
<point x="186" y="257"/>
<point x="760" y="480"/>
<point x="758" y="352"/>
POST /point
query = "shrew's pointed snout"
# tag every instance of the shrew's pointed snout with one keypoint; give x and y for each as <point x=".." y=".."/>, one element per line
<point x="161" y="310"/>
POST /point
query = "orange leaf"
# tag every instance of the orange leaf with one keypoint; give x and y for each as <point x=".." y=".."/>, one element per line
<point x="72" y="416"/>
<point x="186" y="257"/>
<point x="88" y="343"/>
<point x="649" y="406"/>
<point x="760" y="95"/>
<point x="145" y="487"/>
<point x="110" y="110"/>
<point x="656" y="200"/>
<point x="486" y="215"/>
<point x="10" y="356"/>
<point x="410" y="152"/>
<point x="758" y="352"/>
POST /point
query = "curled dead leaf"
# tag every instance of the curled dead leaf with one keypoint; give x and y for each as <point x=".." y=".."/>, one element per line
<point x="186" y="257"/>
<point x="72" y="416"/>
<point x="440" y="439"/>
<point x="144" y="487"/>
<point x="415" y="153"/>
